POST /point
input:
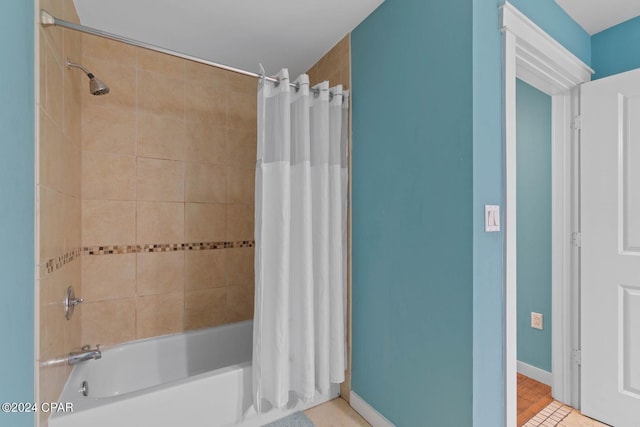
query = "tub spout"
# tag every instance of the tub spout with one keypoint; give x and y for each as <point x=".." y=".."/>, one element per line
<point x="87" y="353"/>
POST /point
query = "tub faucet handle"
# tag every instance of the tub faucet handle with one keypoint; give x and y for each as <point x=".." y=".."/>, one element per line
<point x="87" y="347"/>
<point x="76" y="301"/>
<point x="70" y="302"/>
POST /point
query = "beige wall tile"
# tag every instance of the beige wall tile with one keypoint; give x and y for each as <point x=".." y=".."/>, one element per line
<point x="71" y="152"/>
<point x="120" y="76"/>
<point x="205" y="269"/>
<point x="207" y="101"/>
<point x="42" y="66"/>
<point x="240" y="266"/>
<point x="72" y="223"/>
<point x="204" y="308"/>
<point x="205" y="142"/>
<point x="160" y="180"/>
<point x="72" y="47"/>
<point x="43" y="285"/>
<point x="160" y="314"/>
<point x="54" y="33"/>
<point x="51" y="213"/>
<point x="160" y="222"/>
<point x="72" y="96"/>
<point x="204" y="182"/>
<point x="58" y="205"/>
<point x="149" y="60"/>
<point x="169" y="119"/>
<point x="204" y="222"/>
<point x="206" y="75"/>
<point x="108" y="129"/>
<point x="313" y="75"/>
<point x="242" y="83"/>
<point x="105" y="49"/>
<point x="239" y="303"/>
<point x="160" y="272"/>
<point x="242" y="111"/>
<point x="51" y="164"/>
<point x="108" y="176"/>
<point x="107" y="277"/>
<point x="109" y="322"/>
<point x="161" y="136"/>
<point x="69" y="12"/>
<point x="55" y="331"/>
<point x="161" y="93"/>
<point x="55" y="89"/>
<point x="241" y="148"/>
<point x="240" y="186"/>
<point x="330" y="63"/>
<point x="107" y="222"/>
<point x="240" y="220"/>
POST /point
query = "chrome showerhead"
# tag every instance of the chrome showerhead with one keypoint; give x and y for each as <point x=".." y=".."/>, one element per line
<point x="96" y="86"/>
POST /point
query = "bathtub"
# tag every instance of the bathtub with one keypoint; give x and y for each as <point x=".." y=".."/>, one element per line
<point x="197" y="378"/>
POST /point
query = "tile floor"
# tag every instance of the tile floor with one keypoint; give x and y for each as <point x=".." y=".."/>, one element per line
<point x="550" y="416"/>
<point x="576" y="419"/>
<point x="335" y="413"/>
<point x="338" y="413"/>
<point x="536" y="408"/>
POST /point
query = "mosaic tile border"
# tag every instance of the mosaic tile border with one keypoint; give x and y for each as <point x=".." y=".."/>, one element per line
<point x="550" y="416"/>
<point x="57" y="263"/>
<point x="164" y="247"/>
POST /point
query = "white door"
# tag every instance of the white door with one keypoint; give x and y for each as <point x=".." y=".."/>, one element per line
<point x="610" y="272"/>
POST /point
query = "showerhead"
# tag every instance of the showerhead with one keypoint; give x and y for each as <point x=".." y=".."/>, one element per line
<point x="96" y="86"/>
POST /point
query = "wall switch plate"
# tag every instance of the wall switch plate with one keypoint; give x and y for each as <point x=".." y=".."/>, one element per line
<point x="536" y="320"/>
<point x="491" y="218"/>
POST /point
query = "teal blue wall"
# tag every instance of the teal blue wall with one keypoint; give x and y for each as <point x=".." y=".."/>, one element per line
<point x="488" y="310"/>
<point x="533" y="135"/>
<point x="427" y="157"/>
<point x="412" y="219"/>
<point x="16" y="206"/>
<point x="615" y="50"/>
<point x="558" y="24"/>
<point x="488" y="324"/>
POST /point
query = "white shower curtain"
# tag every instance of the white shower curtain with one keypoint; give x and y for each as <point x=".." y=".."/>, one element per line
<point x="300" y="233"/>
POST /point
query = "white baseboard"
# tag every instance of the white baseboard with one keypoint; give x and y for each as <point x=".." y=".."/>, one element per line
<point x="536" y="373"/>
<point x="373" y="417"/>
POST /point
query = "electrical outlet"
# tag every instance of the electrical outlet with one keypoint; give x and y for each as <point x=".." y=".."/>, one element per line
<point x="536" y="320"/>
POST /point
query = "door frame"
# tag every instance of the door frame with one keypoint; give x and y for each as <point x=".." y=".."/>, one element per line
<point x="533" y="56"/>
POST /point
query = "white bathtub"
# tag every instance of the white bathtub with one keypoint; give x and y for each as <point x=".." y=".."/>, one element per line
<point x="198" y="378"/>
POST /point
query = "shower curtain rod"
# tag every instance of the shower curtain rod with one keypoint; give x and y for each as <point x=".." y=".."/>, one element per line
<point x="47" y="19"/>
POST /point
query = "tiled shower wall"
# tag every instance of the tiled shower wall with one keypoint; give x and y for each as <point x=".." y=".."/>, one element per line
<point x="58" y="198"/>
<point x="168" y="162"/>
<point x="334" y="66"/>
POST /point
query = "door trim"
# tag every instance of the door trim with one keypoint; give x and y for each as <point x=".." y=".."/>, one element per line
<point x="533" y="56"/>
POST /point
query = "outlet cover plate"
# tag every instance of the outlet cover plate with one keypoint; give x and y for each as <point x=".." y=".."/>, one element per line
<point x="536" y="320"/>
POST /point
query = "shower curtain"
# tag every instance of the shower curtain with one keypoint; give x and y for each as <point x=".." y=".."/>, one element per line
<point x="300" y="234"/>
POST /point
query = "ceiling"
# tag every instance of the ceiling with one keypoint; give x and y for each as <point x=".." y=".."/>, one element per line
<point x="598" y="15"/>
<point x="241" y="33"/>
